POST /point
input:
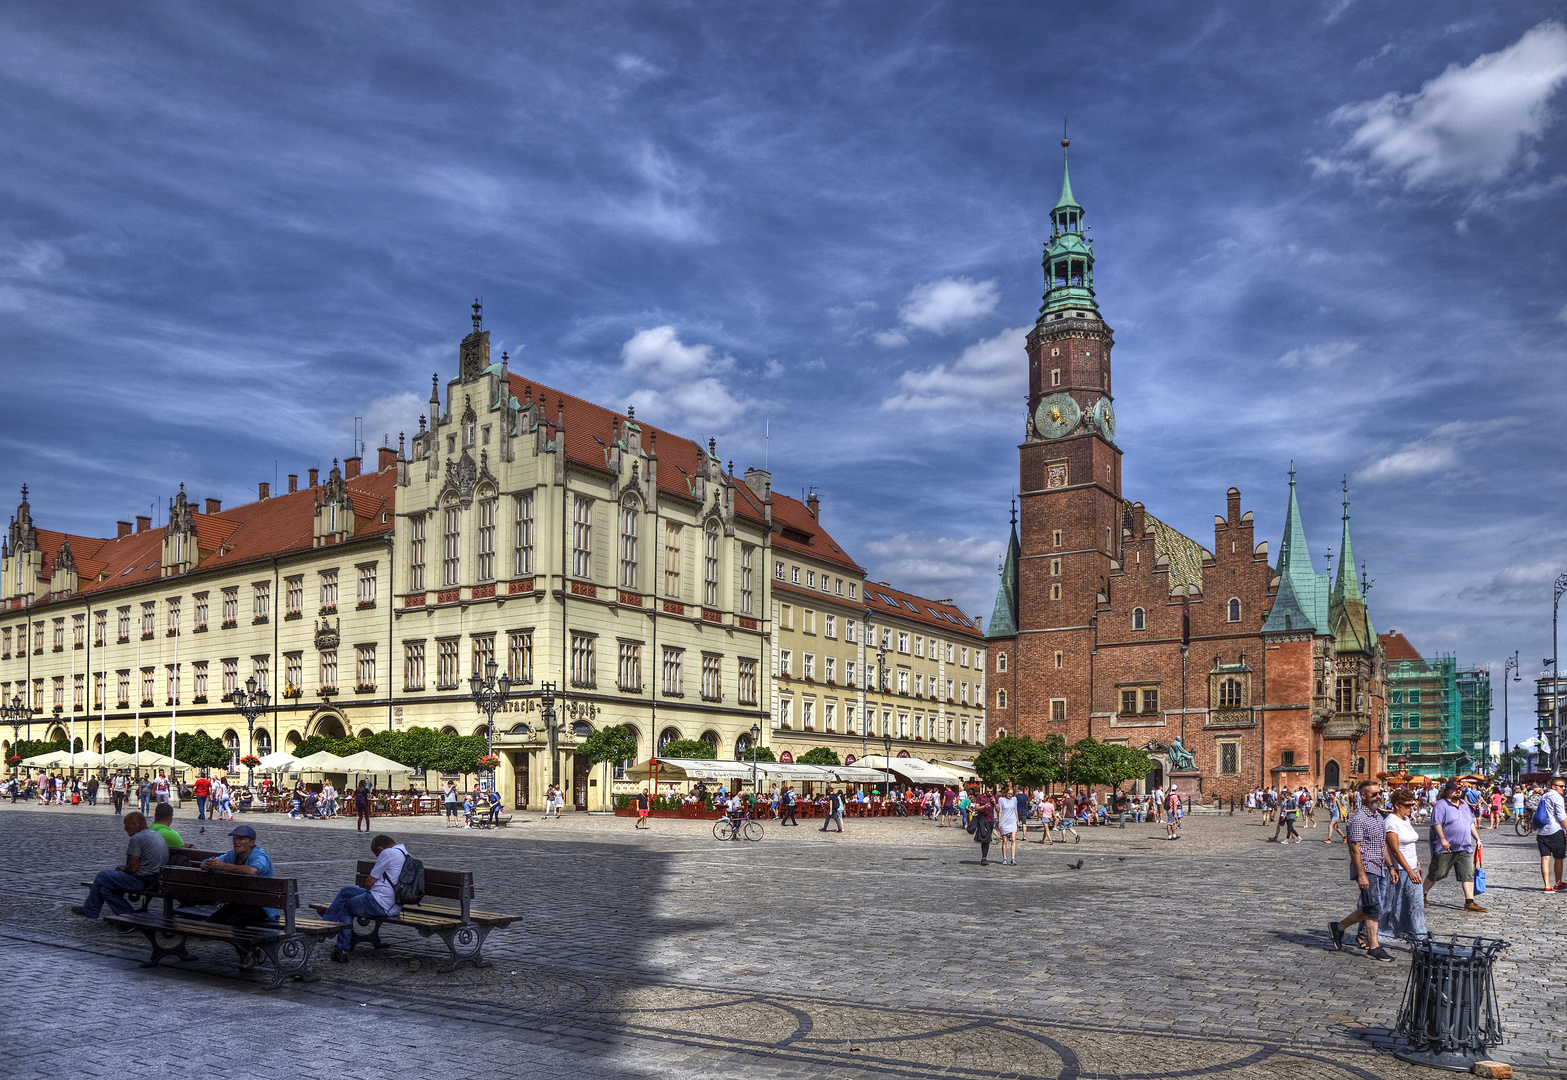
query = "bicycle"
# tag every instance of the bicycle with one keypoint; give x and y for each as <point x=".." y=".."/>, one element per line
<point x="730" y="829"/>
<point x="1523" y="823"/>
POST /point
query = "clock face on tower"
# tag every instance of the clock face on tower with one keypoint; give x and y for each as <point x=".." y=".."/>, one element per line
<point x="1057" y="415"/>
<point x="1104" y="416"/>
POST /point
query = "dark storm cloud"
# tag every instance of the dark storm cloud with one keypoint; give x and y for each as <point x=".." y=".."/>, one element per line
<point x="1328" y="234"/>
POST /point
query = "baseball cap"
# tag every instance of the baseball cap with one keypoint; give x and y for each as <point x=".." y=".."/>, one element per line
<point x="244" y="830"/>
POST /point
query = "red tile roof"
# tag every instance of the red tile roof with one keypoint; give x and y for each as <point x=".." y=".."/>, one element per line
<point x="1397" y="647"/>
<point x="253" y="532"/>
<point x="881" y="599"/>
<point x="794" y="529"/>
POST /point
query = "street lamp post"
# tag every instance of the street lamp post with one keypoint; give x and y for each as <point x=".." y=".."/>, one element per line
<point x="490" y="693"/>
<point x="886" y="760"/>
<point x="16" y="714"/>
<point x="1510" y="665"/>
<point x="551" y="729"/>
<point x="756" y="735"/>
<point x="251" y="702"/>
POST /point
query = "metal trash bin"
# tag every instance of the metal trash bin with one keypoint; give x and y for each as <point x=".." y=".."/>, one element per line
<point x="1449" y="1015"/>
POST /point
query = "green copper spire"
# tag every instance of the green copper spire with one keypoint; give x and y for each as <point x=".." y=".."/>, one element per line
<point x="1069" y="256"/>
<point x="1003" y="619"/>
<point x="1308" y="590"/>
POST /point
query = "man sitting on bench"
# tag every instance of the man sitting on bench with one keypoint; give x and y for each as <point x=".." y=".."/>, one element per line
<point x="145" y="855"/>
<point x="352" y="902"/>
<point x="163" y="825"/>
<point x="247" y="859"/>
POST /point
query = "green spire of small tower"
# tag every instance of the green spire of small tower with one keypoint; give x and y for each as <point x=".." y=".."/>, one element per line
<point x="1351" y="619"/>
<point x="1003" y="619"/>
<point x="1069" y="257"/>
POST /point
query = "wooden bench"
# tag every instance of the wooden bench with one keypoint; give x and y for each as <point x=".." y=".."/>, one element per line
<point x="285" y="945"/>
<point x="184" y="856"/>
<point x="459" y="927"/>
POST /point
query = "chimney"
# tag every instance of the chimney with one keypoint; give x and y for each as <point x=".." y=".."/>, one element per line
<point x="315" y="477"/>
<point x="214" y="506"/>
<point x="143" y="523"/>
<point x="1233" y="497"/>
<point x="386" y="457"/>
<point x="814" y="505"/>
<point x="264" y="491"/>
<point x="293" y="482"/>
<point x="124" y="527"/>
<point x="760" y="482"/>
<point x="350" y="467"/>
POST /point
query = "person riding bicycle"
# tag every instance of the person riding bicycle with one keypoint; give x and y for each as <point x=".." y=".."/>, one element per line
<point x="734" y="810"/>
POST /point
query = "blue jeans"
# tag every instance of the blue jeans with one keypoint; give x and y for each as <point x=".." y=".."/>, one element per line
<point x="110" y="887"/>
<point x="350" y="903"/>
<point x="201" y="808"/>
<point x="145" y="799"/>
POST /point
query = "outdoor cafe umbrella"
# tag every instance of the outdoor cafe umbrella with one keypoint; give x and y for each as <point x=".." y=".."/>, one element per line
<point x="48" y="760"/>
<point x="366" y="761"/>
<point x="320" y="761"/>
<point x="277" y="761"/>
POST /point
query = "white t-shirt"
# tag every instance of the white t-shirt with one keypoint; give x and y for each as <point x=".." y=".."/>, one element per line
<point x="388" y="866"/>
<point x="1555" y="813"/>
<point x="1006" y="816"/>
<point x="1518" y="801"/>
<point x="1407" y="838"/>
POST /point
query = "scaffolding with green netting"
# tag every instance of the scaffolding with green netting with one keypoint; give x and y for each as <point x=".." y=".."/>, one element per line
<point x="1425" y="727"/>
<point x="1474" y="716"/>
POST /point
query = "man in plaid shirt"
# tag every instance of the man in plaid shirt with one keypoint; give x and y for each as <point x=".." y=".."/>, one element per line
<point x="1367" y="836"/>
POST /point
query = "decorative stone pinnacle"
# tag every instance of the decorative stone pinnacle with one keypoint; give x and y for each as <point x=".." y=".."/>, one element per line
<point x="478" y="314"/>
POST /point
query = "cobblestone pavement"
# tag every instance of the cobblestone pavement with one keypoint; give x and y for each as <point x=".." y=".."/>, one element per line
<point x="885" y="952"/>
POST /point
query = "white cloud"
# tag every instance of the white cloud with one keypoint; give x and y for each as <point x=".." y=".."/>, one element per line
<point x="990" y="372"/>
<point x="1336" y="8"/>
<point x="1522" y="581"/>
<point x="774" y="370"/>
<point x="384" y="418"/>
<point x="1436" y="452"/>
<point x="681" y="386"/>
<point x="941" y="568"/>
<point x="890" y="339"/>
<point x="636" y="66"/>
<point x="1319" y="355"/>
<point x="940" y="304"/>
<point x="1561" y="316"/>
<point x="1468" y="125"/>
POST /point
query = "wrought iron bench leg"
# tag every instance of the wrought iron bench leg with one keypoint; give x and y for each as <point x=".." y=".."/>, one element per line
<point x="466" y="944"/>
<point x="373" y="937"/>
<point x="290" y="957"/>
<point x="156" y="937"/>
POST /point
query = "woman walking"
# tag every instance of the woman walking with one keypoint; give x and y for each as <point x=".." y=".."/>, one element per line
<point x="1006" y="825"/>
<point x="1404" y="914"/>
<point x="1335" y="816"/>
<point x="450" y="800"/>
<point x="362" y="805"/>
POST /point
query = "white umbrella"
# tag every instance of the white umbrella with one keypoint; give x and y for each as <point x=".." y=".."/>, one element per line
<point x="368" y="762"/>
<point x="162" y="761"/>
<point x="320" y="761"/>
<point x="119" y="759"/>
<point x="277" y="762"/>
<point x="47" y="761"/>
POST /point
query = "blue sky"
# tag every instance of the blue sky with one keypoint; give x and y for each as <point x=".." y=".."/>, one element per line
<point x="1326" y="232"/>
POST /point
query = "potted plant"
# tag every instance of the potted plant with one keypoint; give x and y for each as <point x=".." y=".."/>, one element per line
<point x="489" y="763"/>
<point x="250" y="761"/>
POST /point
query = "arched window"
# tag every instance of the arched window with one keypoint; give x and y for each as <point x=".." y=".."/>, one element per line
<point x="1001" y="699"/>
<point x="1001" y="661"/>
<point x="743" y="748"/>
<point x="711" y="739"/>
<point x="628" y="544"/>
<point x="486" y="560"/>
<point x="1137" y="618"/>
<point x="665" y="737"/>
<point x="263" y="742"/>
<point x="1230" y="694"/>
<point x="231" y="740"/>
<point x="451" y="545"/>
<point x="1235" y="609"/>
<point x="710" y="566"/>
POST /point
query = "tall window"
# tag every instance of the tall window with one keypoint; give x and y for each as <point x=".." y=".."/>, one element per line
<point x="97" y="686"/>
<point x="1137" y="618"/>
<point x="413" y="665"/>
<point x="148" y="615"/>
<point x="1229" y="758"/>
<point x="451" y="546"/>
<point x="582" y="669"/>
<point x="78" y="690"/>
<point x="200" y="671"/>
<point x="674" y="660"/>
<point x="446" y="664"/>
<point x="329" y="589"/>
<point x="486" y="566"/>
<point x="522" y="537"/>
<point x="629" y="678"/>
<point x="519" y="656"/>
<point x="146" y="686"/>
<point x="582" y="537"/>
<point x="201" y="612"/>
<point x="674" y="555"/>
<point x="293" y="670"/>
<point x="747" y="556"/>
<point x="1345" y="701"/>
<point x="712" y="679"/>
<point x="747" y="685"/>
<point x="366" y="658"/>
<point x="1230" y="694"/>
<point x="329" y="669"/>
<point x="483" y="653"/>
<point x="124" y="630"/>
<point x="79" y="626"/>
<point x="123" y="677"/>
<point x="261" y="668"/>
<point x="1235" y="609"/>
<point x="294" y="594"/>
<point x="710" y="566"/>
<point x="416" y="553"/>
<point x="261" y="602"/>
<point x="367" y="585"/>
<point x="230" y="678"/>
<point x="628" y="545"/>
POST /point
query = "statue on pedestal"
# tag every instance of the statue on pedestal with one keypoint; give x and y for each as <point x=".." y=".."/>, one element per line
<point x="1181" y="759"/>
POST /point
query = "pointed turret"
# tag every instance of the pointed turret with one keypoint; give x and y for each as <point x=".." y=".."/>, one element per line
<point x="1003" y="619"/>
<point x="1069" y="258"/>
<point x="1351" y="620"/>
<point x="1308" y="590"/>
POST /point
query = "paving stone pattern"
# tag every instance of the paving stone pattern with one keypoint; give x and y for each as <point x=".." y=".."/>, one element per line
<point x="885" y="952"/>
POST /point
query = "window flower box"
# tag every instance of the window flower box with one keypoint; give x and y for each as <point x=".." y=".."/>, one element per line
<point x="122" y="640"/>
<point x="229" y="624"/>
<point x="327" y="691"/>
<point x="147" y="636"/>
<point x="229" y="697"/>
<point x="79" y="645"/>
<point x="365" y="605"/>
<point x="172" y="633"/>
<point x="122" y="705"/>
<point x="292" y="615"/>
<point x="292" y="692"/>
<point x="201" y="628"/>
<point x="364" y="688"/>
<point x="146" y="702"/>
<point x="199" y="699"/>
<point x="328" y="609"/>
<point x="260" y="620"/>
<point x="59" y="648"/>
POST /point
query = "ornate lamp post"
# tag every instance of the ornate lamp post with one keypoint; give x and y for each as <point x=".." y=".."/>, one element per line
<point x="886" y="760"/>
<point x="16" y="714"/>
<point x="552" y="727"/>
<point x="490" y="693"/>
<point x="756" y="735"/>
<point x="251" y="702"/>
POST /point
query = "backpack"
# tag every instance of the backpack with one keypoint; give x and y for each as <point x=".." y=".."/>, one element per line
<point x="409" y="887"/>
<point x="1542" y="814"/>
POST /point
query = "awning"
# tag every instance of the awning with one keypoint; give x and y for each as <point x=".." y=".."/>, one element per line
<point x="320" y="761"/>
<point x="856" y="774"/>
<point x="675" y="770"/>
<point x="964" y="769"/>
<point x="914" y="770"/>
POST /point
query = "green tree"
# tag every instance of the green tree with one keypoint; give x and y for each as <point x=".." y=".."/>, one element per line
<point x="1106" y="764"/>
<point x="317" y="743"/>
<point x="124" y="742"/>
<point x="199" y="749"/>
<point x="420" y="749"/>
<point x="688" y="748"/>
<point x="763" y="753"/>
<point x="26" y="748"/>
<point x="617" y="743"/>
<point x="819" y="755"/>
<point x="1020" y="760"/>
<point x="460" y="753"/>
